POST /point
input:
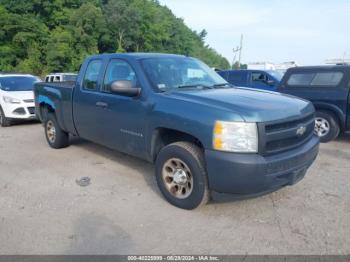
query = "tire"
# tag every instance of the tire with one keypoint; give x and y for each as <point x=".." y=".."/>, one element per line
<point x="4" y="121"/>
<point x="55" y="136"/>
<point x="181" y="175"/>
<point x="326" y="126"/>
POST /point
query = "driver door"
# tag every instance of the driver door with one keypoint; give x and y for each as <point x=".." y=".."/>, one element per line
<point x="123" y="120"/>
<point x="260" y="81"/>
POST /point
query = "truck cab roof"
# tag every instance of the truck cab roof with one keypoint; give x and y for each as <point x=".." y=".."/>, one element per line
<point x="320" y="67"/>
<point x="135" y="55"/>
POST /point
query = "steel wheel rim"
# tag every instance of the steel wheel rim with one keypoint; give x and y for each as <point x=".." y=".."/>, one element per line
<point x="322" y="127"/>
<point x="177" y="178"/>
<point x="51" y="131"/>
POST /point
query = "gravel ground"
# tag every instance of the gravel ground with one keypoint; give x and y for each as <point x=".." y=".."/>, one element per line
<point x="44" y="211"/>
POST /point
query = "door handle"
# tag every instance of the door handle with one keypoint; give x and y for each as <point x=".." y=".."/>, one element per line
<point x="101" y="104"/>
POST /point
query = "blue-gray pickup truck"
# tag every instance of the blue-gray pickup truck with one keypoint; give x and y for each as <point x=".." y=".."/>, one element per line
<point x="203" y="134"/>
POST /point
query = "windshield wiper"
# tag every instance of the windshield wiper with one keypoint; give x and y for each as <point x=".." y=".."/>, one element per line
<point x="222" y="85"/>
<point x="195" y="86"/>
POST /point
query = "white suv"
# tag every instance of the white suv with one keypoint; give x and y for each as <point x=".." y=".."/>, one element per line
<point x="16" y="97"/>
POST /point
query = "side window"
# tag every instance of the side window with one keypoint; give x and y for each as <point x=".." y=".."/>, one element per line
<point x="57" y="78"/>
<point x="91" y="75"/>
<point x="238" y="78"/>
<point x="327" y="79"/>
<point x="51" y="78"/>
<point x="47" y="79"/>
<point x="259" y="77"/>
<point x="330" y="79"/>
<point x="118" y="70"/>
<point x="300" y="79"/>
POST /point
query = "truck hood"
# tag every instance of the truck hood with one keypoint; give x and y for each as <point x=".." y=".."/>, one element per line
<point x="22" y="95"/>
<point x="252" y="105"/>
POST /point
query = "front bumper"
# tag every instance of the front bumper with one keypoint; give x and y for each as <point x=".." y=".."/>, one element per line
<point x="251" y="174"/>
<point x="19" y="111"/>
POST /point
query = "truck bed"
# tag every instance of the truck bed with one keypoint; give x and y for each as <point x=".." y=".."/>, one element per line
<point x="59" y="97"/>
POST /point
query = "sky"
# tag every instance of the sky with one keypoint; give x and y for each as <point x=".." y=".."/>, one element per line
<point x="308" y="32"/>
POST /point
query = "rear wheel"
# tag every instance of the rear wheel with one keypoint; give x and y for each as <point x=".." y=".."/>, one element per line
<point x="4" y="121"/>
<point x="326" y="126"/>
<point x="55" y="136"/>
<point x="181" y="175"/>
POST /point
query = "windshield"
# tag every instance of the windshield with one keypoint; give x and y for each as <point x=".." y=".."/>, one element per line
<point x="18" y="83"/>
<point x="276" y="75"/>
<point x="179" y="72"/>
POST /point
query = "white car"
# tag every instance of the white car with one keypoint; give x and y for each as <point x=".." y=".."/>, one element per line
<point x="16" y="97"/>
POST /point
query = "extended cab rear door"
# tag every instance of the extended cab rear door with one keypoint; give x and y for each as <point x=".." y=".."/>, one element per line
<point x="87" y="106"/>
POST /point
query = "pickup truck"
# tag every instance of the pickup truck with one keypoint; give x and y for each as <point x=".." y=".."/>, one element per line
<point x="259" y="79"/>
<point x="202" y="134"/>
<point x="328" y="88"/>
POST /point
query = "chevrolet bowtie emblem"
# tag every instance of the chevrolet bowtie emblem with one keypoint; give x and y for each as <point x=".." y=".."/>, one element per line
<point x="301" y="130"/>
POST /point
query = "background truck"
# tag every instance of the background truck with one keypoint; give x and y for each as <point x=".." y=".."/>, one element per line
<point x="61" y="77"/>
<point x="328" y="88"/>
<point x="259" y="79"/>
<point x="174" y="111"/>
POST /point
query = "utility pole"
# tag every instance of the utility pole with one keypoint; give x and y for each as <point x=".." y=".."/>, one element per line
<point x="235" y="50"/>
<point x="240" y="51"/>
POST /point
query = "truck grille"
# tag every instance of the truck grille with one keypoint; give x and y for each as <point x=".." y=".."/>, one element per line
<point x="282" y="136"/>
<point x="28" y="100"/>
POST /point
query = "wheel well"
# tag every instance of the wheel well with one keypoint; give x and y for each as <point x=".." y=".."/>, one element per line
<point x="164" y="136"/>
<point x="332" y="113"/>
<point x="44" y="110"/>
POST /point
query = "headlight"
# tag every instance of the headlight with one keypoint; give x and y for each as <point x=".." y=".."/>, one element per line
<point x="11" y="100"/>
<point x="235" y="137"/>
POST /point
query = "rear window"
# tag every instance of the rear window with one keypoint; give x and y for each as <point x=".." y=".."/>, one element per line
<point x="18" y="83"/>
<point x="315" y="79"/>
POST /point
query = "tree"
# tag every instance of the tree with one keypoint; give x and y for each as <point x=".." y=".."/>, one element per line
<point x="41" y="36"/>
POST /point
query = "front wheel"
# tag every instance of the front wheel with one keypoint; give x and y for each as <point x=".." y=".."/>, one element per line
<point x="326" y="126"/>
<point x="55" y="136"/>
<point x="4" y="121"/>
<point x="181" y="175"/>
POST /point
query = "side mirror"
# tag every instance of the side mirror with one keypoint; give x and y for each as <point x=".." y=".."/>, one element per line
<point x="125" y="88"/>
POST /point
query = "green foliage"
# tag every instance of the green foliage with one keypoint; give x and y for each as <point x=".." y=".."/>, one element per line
<point x="42" y="36"/>
<point x="236" y="66"/>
